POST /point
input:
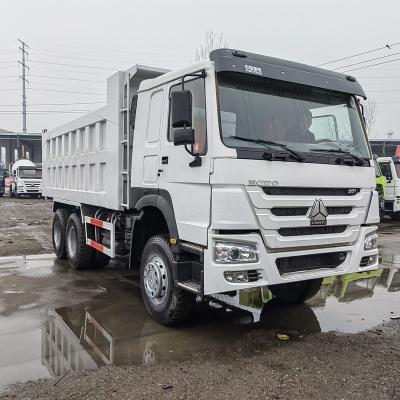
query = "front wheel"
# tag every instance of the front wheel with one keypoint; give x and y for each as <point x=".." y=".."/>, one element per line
<point x="166" y="303"/>
<point x="296" y="292"/>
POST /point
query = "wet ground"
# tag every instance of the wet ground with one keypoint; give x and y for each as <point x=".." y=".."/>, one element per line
<point x="25" y="226"/>
<point x="54" y="320"/>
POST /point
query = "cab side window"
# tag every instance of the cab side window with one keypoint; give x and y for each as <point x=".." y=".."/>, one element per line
<point x="199" y="124"/>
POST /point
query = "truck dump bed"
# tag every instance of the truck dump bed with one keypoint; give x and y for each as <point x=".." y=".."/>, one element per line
<point x="88" y="160"/>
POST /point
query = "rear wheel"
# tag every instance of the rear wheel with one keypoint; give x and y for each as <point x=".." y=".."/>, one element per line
<point x="58" y="233"/>
<point x="296" y="292"/>
<point x="80" y="255"/>
<point x="166" y="303"/>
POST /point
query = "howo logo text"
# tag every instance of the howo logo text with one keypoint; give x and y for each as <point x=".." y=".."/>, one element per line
<point x="318" y="213"/>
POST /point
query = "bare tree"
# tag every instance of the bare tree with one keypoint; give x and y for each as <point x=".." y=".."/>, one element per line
<point x="212" y="42"/>
<point x="369" y="115"/>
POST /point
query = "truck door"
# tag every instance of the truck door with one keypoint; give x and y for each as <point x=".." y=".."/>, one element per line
<point x="188" y="186"/>
<point x="389" y="173"/>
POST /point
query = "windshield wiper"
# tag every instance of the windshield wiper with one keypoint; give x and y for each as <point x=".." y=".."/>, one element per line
<point x="357" y="159"/>
<point x="292" y="153"/>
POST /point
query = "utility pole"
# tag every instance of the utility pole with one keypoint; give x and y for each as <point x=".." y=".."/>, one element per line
<point x="24" y="53"/>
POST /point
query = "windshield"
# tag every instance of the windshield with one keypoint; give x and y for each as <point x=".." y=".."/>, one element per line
<point x="305" y="119"/>
<point x="30" y="173"/>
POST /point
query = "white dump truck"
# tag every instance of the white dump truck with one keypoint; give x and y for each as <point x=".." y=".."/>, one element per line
<point x="390" y="167"/>
<point x="27" y="179"/>
<point x="237" y="172"/>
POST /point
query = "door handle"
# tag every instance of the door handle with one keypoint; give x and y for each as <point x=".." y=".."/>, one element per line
<point x="164" y="160"/>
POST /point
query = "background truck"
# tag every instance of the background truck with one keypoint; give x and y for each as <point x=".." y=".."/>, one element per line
<point x="380" y="187"/>
<point x="390" y="167"/>
<point x="27" y="179"/>
<point x="2" y="179"/>
<point x="240" y="171"/>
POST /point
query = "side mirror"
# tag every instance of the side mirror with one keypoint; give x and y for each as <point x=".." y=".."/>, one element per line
<point x="181" y="109"/>
<point x="184" y="137"/>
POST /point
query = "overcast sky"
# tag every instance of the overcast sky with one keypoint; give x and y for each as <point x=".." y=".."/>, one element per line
<point x="97" y="37"/>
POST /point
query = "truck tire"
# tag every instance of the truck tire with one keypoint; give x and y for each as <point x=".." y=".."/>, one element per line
<point x="79" y="254"/>
<point x="166" y="303"/>
<point x="58" y="233"/>
<point x="296" y="292"/>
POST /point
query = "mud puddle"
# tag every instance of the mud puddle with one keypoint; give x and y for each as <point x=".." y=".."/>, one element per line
<point x="54" y="320"/>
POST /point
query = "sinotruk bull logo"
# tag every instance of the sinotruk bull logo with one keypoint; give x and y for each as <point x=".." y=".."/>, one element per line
<point x="318" y="213"/>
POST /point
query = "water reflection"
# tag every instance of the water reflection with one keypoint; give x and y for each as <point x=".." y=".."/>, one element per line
<point x="390" y="277"/>
<point x="120" y="332"/>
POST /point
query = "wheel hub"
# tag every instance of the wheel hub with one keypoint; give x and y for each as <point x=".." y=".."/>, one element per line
<point x="155" y="280"/>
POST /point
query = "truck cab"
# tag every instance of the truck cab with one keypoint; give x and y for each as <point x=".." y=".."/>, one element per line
<point x="390" y="167"/>
<point x="27" y="179"/>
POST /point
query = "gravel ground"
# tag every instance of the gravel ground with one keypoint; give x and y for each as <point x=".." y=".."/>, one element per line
<point x="319" y="366"/>
<point x="25" y="226"/>
<point x="258" y="365"/>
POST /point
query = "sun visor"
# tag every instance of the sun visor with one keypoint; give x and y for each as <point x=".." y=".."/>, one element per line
<point x="283" y="70"/>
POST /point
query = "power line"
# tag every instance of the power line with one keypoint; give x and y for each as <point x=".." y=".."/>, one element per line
<point x="378" y="77"/>
<point x="54" y="90"/>
<point x="383" y="91"/>
<point x="84" y="58"/>
<point x="67" y="79"/>
<point x="363" y="62"/>
<point x="71" y="72"/>
<point x="72" y="65"/>
<point x="54" y="104"/>
<point x="44" y="44"/>
<point x="372" y="65"/>
<point x="387" y="46"/>
<point x="45" y="111"/>
<point x="67" y="91"/>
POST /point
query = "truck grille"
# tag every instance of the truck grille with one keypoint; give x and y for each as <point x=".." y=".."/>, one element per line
<point x="285" y="223"/>
<point x="310" y="262"/>
<point x="300" y="191"/>
<point x="312" y="230"/>
<point x="293" y="211"/>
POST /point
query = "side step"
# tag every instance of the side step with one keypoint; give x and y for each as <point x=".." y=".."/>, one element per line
<point x="191" y="286"/>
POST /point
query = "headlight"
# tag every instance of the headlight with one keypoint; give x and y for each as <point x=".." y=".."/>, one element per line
<point x="234" y="253"/>
<point x="371" y="241"/>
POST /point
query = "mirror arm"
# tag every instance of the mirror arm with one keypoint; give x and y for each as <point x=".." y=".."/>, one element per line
<point x="201" y="74"/>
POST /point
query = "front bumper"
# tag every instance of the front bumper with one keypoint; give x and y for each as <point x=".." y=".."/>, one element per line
<point x="31" y="190"/>
<point x="215" y="282"/>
